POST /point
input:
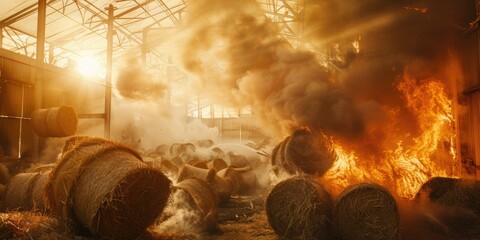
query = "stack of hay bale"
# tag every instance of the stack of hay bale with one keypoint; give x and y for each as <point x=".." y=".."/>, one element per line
<point x="301" y="207"/>
<point x="98" y="187"/>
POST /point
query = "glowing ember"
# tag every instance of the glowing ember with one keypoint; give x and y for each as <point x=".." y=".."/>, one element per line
<point x="405" y="168"/>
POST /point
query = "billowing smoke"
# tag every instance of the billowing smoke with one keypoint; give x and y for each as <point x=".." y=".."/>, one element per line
<point x="240" y="58"/>
<point x="134" y="82"/>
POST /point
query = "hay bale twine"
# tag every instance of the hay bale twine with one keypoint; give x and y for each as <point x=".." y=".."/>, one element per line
<point x="201" y="197"/>
<point x="55" y="122"/>
<point x="244" y="179"/>
<point x="452" y="192"/>
<point x="18" y="195"/>
<point x="310" y="153"/>
<point x="38" y="191"/>
<point x="105" y="187"/>
<point x="298" y="208"/>
<point x="367" y="212"/>
<point x="217" y="164"/>
<point x="189" y="171"/>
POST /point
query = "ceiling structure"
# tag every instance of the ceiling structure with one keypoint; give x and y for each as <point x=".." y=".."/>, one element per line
<point x="79" y="27"/>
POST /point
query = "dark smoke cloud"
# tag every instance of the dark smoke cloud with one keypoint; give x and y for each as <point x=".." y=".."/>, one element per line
<point x="135" y="83"/>
<point x="240" y="58"/>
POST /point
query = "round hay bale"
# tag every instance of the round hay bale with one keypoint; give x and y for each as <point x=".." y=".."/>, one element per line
<point x="186" y="148"/>
<point x="201" y="197"/>
<point x="188" y="171"/>
<point x="168" y="166"/>
<point x="298" y="208"/>
<point x="452" y="192"/>
<point x="238" y="160"/>
<point x="198" y="163"/>
<point x="177" y="161"/>
<point x="174" y="149"/>
<point x="4" y="174"/>
<point x="310" y="153"/>
<point x="18" y="195"/>
<point x="217" y="164"/>
<point x="38" y="191"/>
<point x="55" y="122"/>
<point x="106" y="188"/>
<point x="162" y="149"/>
<point x="279" y="162"/>
<point x="43" y="168"/>
<point x="244" y="179"/>
<point x="222" y="187"/>
<point x="205" y="143"/>
<point x="367" y="212"/>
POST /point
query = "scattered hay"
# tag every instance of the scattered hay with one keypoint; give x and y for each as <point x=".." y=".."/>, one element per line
<point x="18" y="195"/>
<point x="367" y="212"/>
<point x="28" y="225"/>
<point x="452" y="192"/>
<point x="55" y="122"/>
<point x="217" y="164"/>
<point x="244" y="179"/>
<point x="106" y="188"/>
<point x="310" y="153"/>
<point x="298" y="208"/>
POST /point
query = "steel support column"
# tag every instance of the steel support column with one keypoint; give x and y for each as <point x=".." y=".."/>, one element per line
<point x="108" y="77"/>
<point x="40" y="55"/>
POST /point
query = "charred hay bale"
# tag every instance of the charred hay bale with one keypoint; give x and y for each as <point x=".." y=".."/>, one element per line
<point x="299" y="208"/>
<point x="244" y="179"/>
<point x="452" y="192"/>
<point x="199" y="195"/>
<point x="29" y="225"/>
<point x="18" y="195"/>
<point x="55" y="122"/>
<point x="367" y="212"/>
<point x="310" y="153"/>
<point x="217" y="164"/>
<point x="105" y="187"/>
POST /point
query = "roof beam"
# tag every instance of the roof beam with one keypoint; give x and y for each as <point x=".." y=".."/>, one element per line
<point x="133" y="9"/>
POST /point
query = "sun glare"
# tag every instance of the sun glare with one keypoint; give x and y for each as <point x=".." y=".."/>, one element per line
<point x="88" y="67"/>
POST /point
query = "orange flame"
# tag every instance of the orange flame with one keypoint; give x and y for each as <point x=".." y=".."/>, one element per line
<point x="405" y="169"/>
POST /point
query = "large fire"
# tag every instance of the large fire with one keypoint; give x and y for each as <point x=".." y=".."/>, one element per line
<point x="405" y="167"/>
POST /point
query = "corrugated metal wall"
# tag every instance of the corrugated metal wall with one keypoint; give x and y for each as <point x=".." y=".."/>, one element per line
<point x="469" y="95"/>
<point x="17" y="85"/>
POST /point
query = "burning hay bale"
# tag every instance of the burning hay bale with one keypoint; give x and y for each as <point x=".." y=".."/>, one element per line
<point x="452" y="192"/>
<point x="310" y="153"/>
<point x="55" y="122"/>
<point x="28" y="225"/>
<point x="18" y="195"/>
<point x="298" y="208"/>
<point x="105" y="187"/>
<point x="367" y="211"/>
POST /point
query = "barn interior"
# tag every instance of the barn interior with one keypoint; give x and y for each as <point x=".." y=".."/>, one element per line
<point x="252" y="119"/>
